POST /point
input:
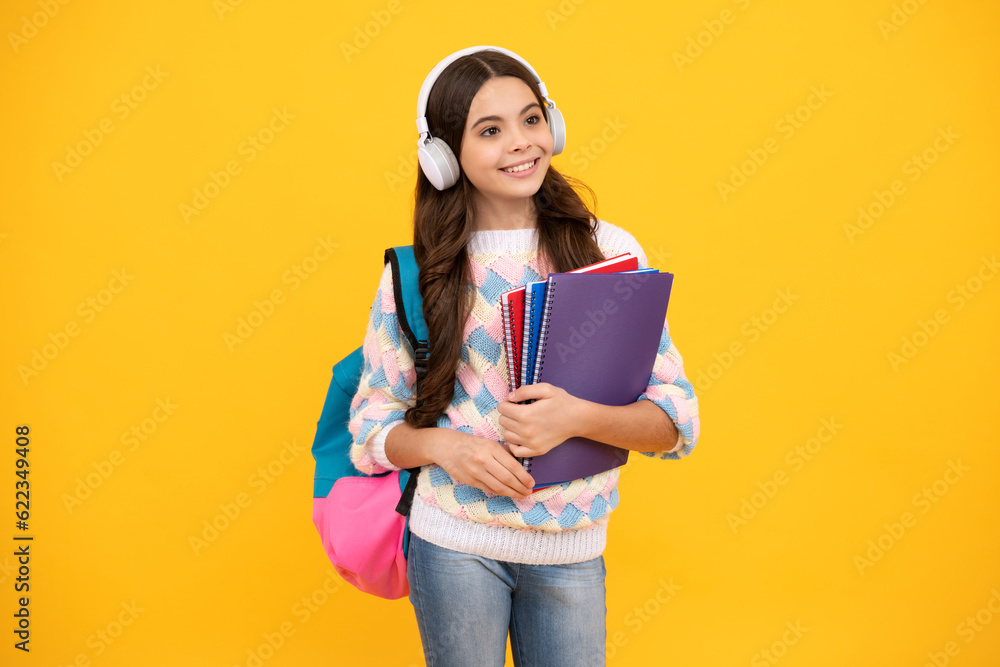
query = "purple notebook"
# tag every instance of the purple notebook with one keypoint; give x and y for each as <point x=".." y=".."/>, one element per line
<point x="600" y="336"/>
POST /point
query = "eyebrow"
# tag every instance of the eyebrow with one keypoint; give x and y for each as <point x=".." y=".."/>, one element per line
<point x="498" y="118"/>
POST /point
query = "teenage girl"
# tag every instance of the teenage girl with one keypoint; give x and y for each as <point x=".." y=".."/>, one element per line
<point x="487" y="557"/>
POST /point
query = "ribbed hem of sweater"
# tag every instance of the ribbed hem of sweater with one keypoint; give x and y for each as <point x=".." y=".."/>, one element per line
<point x="534" y="547"/>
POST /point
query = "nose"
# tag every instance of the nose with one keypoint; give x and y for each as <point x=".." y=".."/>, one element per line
<point x="519" y="140"/>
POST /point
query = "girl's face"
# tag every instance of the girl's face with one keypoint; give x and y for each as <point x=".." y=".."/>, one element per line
<point x="507" y="145"/>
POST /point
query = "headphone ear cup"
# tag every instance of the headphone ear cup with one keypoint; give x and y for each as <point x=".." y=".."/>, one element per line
<point x="438" y="163"/>
<point x="557" y="126"/>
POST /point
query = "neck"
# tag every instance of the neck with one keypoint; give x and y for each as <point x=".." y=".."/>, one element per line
<point x="505" y="214"/>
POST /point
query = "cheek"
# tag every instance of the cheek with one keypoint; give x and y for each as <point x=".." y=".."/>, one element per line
<point x="545" y="140"/>
<point x="481" y="158"/>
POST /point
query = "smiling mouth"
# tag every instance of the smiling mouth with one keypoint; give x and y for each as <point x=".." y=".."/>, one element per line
<point x="521" y="167"/>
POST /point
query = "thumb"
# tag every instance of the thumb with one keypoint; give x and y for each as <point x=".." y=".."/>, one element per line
<point x="528" y="392"/>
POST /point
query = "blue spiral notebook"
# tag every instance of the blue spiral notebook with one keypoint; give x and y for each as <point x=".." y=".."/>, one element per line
<point x="534" y="299"/>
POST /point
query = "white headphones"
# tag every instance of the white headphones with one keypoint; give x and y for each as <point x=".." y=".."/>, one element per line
<point x="437" y="160"/>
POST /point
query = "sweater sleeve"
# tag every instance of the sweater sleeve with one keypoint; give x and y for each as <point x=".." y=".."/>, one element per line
<point x="385" y="389"/>
<point x="671" y="390"/>
<point x="668" y="387"/>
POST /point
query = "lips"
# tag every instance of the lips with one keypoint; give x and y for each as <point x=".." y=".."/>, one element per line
<point x="520" y="166"/>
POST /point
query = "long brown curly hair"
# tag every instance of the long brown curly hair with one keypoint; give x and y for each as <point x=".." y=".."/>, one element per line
<point x="443" y="221"/>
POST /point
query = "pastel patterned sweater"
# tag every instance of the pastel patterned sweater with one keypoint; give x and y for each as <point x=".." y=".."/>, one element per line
<point x="559" y="524"/>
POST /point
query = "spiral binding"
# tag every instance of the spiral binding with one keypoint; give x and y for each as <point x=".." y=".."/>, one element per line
<point x="550" y="291"/>
<point x="515" y="345"/>
<point x="509" y="334"/>
<point x="529" y="305"/>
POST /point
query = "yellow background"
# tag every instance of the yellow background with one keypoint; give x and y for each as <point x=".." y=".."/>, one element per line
<point x="662" y="134"/>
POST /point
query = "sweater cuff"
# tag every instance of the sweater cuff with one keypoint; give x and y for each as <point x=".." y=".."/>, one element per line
<point x="377" y="446"/>
<point x="679" y="446"/>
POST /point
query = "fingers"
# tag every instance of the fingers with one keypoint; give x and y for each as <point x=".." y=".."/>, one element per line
<point x="529" y="392"/>
<point x="487" y="465"/>
<point x="522" y="478"/>
<point x="525" y="438"/>
<point x="510" y="425"/>
<point x="508" y="479"/>
<point x="521" y="451"/>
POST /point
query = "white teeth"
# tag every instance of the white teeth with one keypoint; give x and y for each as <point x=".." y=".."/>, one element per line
<point x="521" y="167"/>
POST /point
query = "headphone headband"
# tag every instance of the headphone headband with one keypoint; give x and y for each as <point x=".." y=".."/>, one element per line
<point x="425" y="89"/>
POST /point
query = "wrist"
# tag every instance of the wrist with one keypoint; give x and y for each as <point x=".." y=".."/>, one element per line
<point x="425" y="446"/>
<point x="435" y="439"/>
<point x="582" y="417"/>
<point x="407" y="446"/>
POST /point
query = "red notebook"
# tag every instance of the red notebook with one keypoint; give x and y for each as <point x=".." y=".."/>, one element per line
<point x="512" y="305"/>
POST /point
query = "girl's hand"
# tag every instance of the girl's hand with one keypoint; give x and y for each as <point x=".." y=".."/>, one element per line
<point x="483" y="463"/>
<point x="535" y="428"/>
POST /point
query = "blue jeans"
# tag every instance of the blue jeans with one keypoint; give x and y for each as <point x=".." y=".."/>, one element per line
<point x="465" y="606"/>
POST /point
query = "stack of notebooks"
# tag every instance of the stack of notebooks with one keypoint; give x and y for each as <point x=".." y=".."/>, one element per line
<point x="594" y="332"/>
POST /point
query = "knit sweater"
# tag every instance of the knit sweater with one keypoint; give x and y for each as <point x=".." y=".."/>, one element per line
<point x="558" y="524"/>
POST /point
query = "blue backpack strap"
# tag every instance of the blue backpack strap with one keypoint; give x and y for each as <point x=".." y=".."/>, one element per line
<point x="410" y="312"/>
<point x="409" y="303"/>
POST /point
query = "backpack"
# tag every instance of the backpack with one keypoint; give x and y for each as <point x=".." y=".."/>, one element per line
<point x="363" y="519"/>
